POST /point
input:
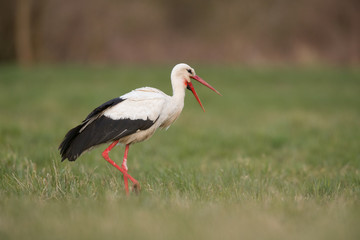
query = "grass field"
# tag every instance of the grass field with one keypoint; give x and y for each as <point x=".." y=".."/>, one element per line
<point x="276" y="157"/>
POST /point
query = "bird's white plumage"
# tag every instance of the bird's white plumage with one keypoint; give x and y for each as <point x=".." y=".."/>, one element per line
<point x="152" y="104"/>
<point x="133" y="117"/>
<point x="146" y="104"/>
<point x="142" y="103"/>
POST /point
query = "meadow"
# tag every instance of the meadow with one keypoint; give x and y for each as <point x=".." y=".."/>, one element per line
<point x="276" y="157"/>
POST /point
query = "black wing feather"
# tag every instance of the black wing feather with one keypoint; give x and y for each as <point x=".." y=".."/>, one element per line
<point x="103" y="107"/>
<point x="97" y="129"/>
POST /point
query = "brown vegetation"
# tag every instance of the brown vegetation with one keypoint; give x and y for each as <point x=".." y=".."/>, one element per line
<point x="246" y="31"/>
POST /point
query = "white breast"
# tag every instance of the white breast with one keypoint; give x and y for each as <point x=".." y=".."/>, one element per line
<point x="146" y="104"/>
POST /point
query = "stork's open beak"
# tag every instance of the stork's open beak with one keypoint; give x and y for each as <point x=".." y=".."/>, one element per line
<point x="200" y="80"/>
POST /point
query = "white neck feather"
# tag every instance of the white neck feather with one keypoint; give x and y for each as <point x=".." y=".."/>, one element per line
<point x="178" y="86"/>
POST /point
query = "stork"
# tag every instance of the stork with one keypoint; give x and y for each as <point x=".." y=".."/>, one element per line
<point x="131" y="118"/>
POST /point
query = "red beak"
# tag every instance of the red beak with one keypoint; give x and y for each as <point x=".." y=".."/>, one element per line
<point x="200" y="80"/>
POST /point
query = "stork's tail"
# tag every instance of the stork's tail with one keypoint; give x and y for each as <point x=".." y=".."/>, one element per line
<point x="70" y="149"/>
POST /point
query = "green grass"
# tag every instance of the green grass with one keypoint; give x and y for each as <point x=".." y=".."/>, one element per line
<point x="276" y="157"/>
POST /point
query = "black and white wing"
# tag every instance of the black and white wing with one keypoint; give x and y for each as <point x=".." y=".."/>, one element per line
<point x="113" y="120"/>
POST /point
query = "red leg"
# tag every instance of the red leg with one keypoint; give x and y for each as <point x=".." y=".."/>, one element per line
<point x="124" y="166"/>
<point x="105" y="154"/>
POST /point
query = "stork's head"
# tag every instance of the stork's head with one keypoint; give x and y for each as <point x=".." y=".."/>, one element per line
<point x="182" y="74"/>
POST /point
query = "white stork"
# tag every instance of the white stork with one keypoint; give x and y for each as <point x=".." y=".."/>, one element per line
<point x="131" y="118"/>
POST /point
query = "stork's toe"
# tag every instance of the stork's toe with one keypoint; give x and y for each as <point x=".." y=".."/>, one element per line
<point x="136" y="188"/>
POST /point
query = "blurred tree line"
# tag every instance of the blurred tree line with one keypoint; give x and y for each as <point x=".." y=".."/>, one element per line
<point x="245" y="31"/>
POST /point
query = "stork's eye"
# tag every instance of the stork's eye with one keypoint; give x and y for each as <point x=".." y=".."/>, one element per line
<point x="189" y="71"/>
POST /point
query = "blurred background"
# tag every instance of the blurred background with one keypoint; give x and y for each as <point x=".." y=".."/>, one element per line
<point x="276" y="157"/>
<point x="252" y="32"/>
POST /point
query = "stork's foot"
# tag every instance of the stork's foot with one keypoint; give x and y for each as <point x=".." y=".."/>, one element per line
<point x="123" y="169"/>
<point x="136" y="188"/>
